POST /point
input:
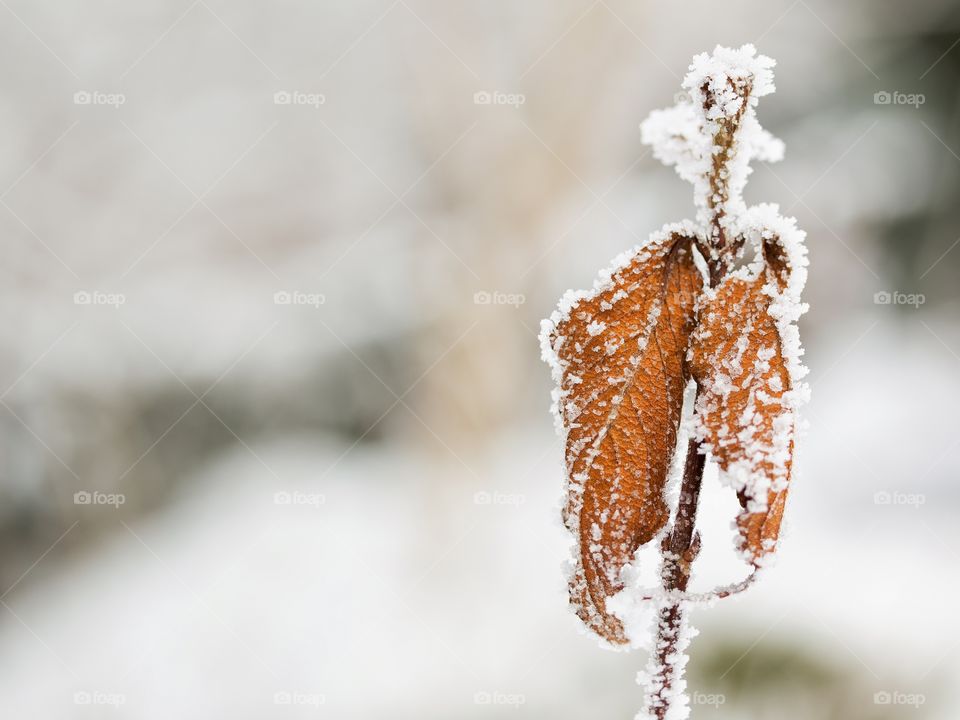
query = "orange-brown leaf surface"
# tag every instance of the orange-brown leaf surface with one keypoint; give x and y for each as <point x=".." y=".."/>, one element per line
<point x="743" y="415"/>
<point x="621" y="352"/>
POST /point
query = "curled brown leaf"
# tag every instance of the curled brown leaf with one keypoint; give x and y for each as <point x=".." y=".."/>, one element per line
<point x="743" y="414"/>
<point x="621" y="352"/>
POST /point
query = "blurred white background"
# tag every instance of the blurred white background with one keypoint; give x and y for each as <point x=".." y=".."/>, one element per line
<point x="272" y="278"/>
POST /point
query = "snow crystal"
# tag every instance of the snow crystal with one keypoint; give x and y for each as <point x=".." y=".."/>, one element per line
<point x="595" y="328"/>
<point x="726" y="63"/>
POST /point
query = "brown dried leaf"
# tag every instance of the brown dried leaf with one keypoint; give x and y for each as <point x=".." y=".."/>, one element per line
<point x="743" y="416"/>
<point x="621" y="351"/>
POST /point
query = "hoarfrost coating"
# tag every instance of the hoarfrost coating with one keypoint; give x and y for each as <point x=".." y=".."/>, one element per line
<point x="745" y="317"/>
<point x="685" y="135"/>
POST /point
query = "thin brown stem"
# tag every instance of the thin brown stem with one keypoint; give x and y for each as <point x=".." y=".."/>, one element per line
<point x="681" y="536"/>
<point x="680" y="549"/>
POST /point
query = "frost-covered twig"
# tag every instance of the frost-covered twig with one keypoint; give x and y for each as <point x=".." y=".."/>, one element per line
<point x="680" y="548"/>
<point x="672" y="312"/>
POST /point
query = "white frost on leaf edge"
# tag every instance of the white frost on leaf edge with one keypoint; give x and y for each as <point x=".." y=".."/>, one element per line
<point x="571" y="299"/>
<point x="567" y="305"/>
<point x="759" y="224"/>
<point x="682" y="136"/>
<point x="764" y="222"/>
